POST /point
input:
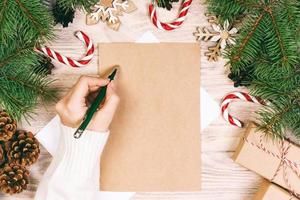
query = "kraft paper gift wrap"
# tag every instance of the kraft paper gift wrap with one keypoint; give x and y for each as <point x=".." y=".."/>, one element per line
<point x="155" y="136"/>
<point x="270" y="191"/>
<point x="268" y="158"/>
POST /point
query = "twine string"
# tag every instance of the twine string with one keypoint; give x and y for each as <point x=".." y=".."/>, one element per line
<point x="284" y="164"/>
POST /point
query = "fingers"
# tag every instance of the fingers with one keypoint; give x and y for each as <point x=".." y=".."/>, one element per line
<point x="111" y="102"/>
<point x="87" y="84"/>
<point x="105" y="114"/>
<point x="113" y="86"/>
<point x="74" y="105"/>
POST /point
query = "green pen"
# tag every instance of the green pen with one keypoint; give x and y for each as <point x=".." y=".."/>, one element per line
<point x="94" y="107"/>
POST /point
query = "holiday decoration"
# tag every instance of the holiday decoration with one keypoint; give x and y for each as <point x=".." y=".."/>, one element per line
<point x="20" y="31"/>
<point x="280" y="158"/>
<point x="13" y="178"/>
<point x="232" y="96"/>
<point x="26" y="25"/>
<point x="166" y="3"/>
<point x="76" y="4"/>
<point x="63" y="10"/>
<point x="23" y="148"/>
<point x="108" y="11"/>
<point x="68" y="61"/>
<point x="45" y="64"/>
<point x="17" y="149"/>
<point x="221" y="35"/>
<point x="8" y="126"/>
<point x="270" y="191"/>
<point x="243" y="78"/>
<point x="63" y="16"/>
<point x="2" y="155"/>
<point x="266" y="58"/>
<point x="172" y="25"/>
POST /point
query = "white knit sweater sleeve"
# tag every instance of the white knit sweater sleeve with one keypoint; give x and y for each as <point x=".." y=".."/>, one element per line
<point x="74" y="171"/>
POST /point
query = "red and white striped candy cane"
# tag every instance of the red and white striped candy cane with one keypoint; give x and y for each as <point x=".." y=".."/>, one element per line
<point x="186" y="4"/>
<point x="237" y="95"/>
<point x="69" y="61"/>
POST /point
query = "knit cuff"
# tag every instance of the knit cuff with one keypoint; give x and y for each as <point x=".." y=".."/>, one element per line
<point x="81" y="157"/>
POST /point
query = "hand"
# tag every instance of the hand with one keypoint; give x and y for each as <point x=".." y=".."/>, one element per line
<point x="72" y="108"/>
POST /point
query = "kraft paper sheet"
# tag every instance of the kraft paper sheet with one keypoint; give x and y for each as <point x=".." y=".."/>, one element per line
<point x="155" y="136"/>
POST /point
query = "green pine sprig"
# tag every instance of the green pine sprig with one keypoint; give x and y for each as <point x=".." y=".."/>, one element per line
<point x="24" y="24"/>
<point x="31" y="17"/>
<point x="76" y="4"/>
<point x="268" y="47"/>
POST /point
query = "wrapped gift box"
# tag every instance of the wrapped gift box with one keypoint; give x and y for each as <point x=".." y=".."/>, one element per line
<point x="275" y="160"/>
<point x="270" y="191"/>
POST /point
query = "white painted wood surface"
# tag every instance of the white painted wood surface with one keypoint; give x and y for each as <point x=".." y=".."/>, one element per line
<point x="222" y="178"/>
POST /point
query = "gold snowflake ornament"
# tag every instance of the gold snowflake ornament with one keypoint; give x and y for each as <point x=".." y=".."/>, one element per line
<point x="221" y="35"/>
<point x="109" y="11"/>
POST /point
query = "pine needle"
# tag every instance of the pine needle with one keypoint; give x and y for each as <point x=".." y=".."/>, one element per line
<point x="268" y="47"/>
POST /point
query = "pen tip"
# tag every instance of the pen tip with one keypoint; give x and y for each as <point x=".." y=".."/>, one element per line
<point x="113" y="74"/>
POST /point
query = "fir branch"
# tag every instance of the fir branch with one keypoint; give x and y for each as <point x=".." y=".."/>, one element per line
<point x="39" y="89"/>
<point x="31" y="18"/>
<point x="280" y="43"/>
<point x="3" y="8"/>
<point x="231" y="10"/>
<point x="252" y="5"/>
<point x="268" y="47"/>
<point x="77" y="4"/>
<point x="271" y="121"/>
<point x="291" y="12"/>
<point x="24" y="25"/>
<point x="18" y="52"/>
<point x="13" y="103"/>
<point x="279" y="37"/>
<point x="21" y="89"/>
<point x="246" y="39"/>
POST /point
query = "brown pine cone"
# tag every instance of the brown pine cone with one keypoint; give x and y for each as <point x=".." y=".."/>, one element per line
<point x="23" y="148"/>
<point x="8" y="126"/>
<point x="2" y="155"/>
<point x="13" y="178"/>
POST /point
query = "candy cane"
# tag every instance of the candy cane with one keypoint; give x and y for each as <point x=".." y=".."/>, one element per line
<point x="232" y="96"/>
<point x="176" y="23"/>
<point x="69" y="61"/>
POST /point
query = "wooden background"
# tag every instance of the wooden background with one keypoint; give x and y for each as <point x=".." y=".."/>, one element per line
<point x="222" y="178"/>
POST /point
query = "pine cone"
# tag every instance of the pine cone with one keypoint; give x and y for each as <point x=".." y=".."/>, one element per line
<point x="13" y="178"/>
<point x="23" y="148"/>
<point x="63" y="16"/>
<point x="166" y="3"/>
<point x="45" y="65"/>
<point x="8" y="126"/>
<point x="2" y="155"/>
